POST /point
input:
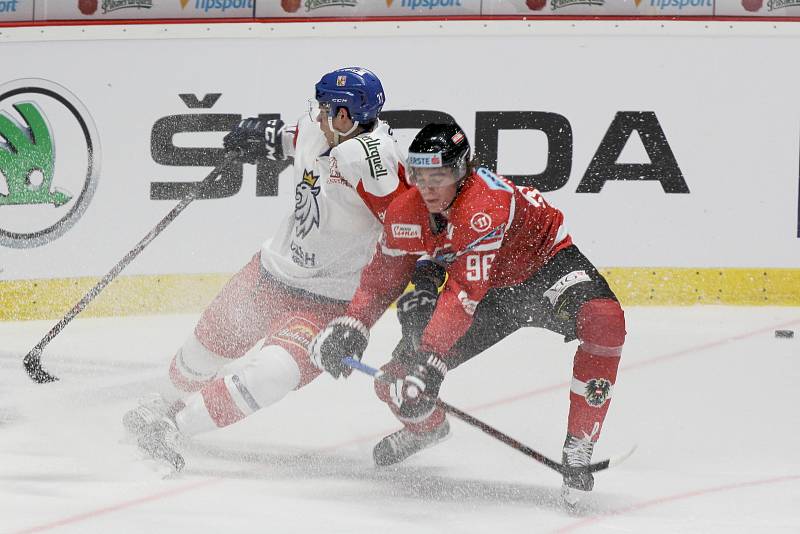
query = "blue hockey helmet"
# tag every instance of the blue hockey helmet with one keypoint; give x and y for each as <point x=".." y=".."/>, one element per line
<point x="354" y="88"/>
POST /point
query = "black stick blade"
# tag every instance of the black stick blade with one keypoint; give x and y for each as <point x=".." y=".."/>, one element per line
<point x="33" y="366"/>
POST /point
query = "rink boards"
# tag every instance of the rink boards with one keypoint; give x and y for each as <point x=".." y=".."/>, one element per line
<point x="672" y="147"/>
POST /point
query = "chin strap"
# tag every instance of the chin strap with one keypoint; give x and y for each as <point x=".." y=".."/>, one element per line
<point x="337" y="134"/>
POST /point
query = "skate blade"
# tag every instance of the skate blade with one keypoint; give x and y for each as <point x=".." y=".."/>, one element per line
<point x="573" y="500"/>
<point x="163" y="454"/>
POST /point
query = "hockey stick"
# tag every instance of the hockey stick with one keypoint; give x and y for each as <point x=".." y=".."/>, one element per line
<point x="488" y="429"/>
<point x="33" y="360"/>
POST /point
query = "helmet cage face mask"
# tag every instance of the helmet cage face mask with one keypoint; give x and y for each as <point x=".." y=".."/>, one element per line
<point x="322" y="110"/>
<point x="315" y="108"/>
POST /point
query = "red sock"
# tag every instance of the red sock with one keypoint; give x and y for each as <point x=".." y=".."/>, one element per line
<point x="601" y="330"/>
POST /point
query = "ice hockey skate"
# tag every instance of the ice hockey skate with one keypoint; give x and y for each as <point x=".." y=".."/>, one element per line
<point x="150" y="410"/>
<point x="578" y="480"/>
<point x="398" y="446"/>
<point x="156" y="433"/>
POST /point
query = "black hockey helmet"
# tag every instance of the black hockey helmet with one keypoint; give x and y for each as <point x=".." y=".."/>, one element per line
<point x="439" y="146"/>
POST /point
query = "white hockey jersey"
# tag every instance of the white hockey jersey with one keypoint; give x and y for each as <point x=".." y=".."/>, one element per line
<point x="341" y="195"/>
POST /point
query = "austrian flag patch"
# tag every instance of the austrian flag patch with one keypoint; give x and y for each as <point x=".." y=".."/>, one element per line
<point x="597" y="391"/>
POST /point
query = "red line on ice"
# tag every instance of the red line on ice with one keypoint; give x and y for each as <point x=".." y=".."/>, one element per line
<point x="645" y="363"/>
<point x="562" y="385"/>
<point x="589" y="521"/>
<point x="116" y="507"/>
<point x="507" y="400"/>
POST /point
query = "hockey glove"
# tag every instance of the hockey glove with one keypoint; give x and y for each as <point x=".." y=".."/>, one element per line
<point x="415" y="395"/>
<point x="343" y="337"/>
<point x="256" y="139"/>
<point x="415" y="308"/>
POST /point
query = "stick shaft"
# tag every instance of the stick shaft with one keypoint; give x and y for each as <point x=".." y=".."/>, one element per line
<point x="470" y="420"/>
<point x="32" y="359"/>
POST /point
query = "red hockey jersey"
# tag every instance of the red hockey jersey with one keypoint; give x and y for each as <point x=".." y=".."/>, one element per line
<point x="497" y="234"/>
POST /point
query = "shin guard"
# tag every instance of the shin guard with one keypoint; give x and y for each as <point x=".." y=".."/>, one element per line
<point x="601" y="331"/>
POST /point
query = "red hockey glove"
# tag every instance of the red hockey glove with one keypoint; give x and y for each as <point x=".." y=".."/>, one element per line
<point x="415" y="395"/>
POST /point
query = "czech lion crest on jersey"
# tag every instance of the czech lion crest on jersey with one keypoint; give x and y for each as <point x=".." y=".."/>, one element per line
<point x="598" y="390"/>
<point x="306" y="209"/>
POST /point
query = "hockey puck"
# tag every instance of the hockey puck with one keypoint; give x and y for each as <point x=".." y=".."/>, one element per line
<point x="784" y="333"/>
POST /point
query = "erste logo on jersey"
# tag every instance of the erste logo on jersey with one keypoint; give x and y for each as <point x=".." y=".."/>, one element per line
<point x="406" y="231"/>
<point x="480" y="222"/>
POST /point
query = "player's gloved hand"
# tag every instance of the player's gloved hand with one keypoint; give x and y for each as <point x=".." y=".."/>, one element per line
<point x="415" y="395"/>
<point x="415" y="308"/>
<point x="414" y="311"/>
<point x="256" y="139"/>
<point x="343" y="337"/>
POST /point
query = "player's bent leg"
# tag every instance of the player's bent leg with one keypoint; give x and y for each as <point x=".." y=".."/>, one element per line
<point x="193" y="366"/>
<point x="260" y="380"/>
<point x="416" y="434"/>
<point x="600" y="327"/>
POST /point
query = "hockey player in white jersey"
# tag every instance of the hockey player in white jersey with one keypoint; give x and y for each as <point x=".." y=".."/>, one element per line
<point x="346" y="172"/>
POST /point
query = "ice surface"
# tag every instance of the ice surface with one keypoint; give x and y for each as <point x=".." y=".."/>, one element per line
<point x="708" y="393"/>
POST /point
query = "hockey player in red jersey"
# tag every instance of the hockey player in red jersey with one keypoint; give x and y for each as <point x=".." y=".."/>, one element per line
<point x="511" y="263"/>
<point x="347" y="169"/>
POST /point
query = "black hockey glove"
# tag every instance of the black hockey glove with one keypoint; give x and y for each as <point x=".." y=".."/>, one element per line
<point x="343" y="337"/>
<point x="415" y="308"/>
<point x="414" y="311"/>
<point x="415" y="395"/>
<point x="256" y="139"/>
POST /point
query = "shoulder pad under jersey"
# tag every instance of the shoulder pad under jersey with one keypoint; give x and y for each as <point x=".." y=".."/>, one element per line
<point x="371" y="159"/>
<point x="483" y="212"/>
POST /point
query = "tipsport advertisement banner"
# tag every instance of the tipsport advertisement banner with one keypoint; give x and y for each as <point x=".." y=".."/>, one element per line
<point x="685" y="8"/>
<point x="16" y="10"/>
<point x="142" y="9"/>
<point x="660" y="165"/>
<point x="366" y="8"/>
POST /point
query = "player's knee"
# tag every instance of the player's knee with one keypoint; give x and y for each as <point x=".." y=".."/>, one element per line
<point x="262" y="378"/>
<point x="194" y="365"/>
<point x="601" y="327"/>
